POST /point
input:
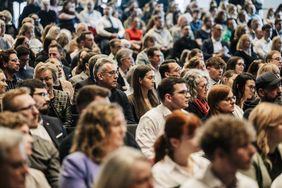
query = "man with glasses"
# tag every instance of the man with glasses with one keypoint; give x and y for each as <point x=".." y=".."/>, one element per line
<point x="45" y="156"/>
<point x="13" y="159"/>
<point x="10" y="66"/>
<point x="214" y="47"/>
<point x="174" y="95"/>
<point x="50" y="128"/>
<point x="125" y="61"/>
<point x="106" y="74"/>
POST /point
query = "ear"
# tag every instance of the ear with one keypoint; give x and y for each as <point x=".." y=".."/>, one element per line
<point x="166" y="75"/>
<point x="219" y="153"/>
<point x="174" y="142"/>
<point x="261" y="92"/>
<point x="140" y="81"/>
<point x="100" y="76"/>
<point x="168" y="97"/>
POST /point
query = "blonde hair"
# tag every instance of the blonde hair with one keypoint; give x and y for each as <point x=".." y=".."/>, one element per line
<point x="241" y="40"/>
<point x="93" y="130"/>
<point x="264" y="117"/>
<point x="269" y="67"/>
<point x="275" y="40"/>
<point x="120" y="162"/>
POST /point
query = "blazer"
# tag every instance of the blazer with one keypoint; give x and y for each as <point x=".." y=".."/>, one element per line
<point x="208" y="50"/>
<point x="55" y="129"/>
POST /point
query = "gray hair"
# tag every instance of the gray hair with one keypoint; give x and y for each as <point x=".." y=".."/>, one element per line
<point x="120" y="163"/>
<point x="9" y="139"/>
<point x="192" y="77"/>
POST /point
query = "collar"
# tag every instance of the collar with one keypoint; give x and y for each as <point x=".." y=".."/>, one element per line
<point x="171" y="166"/>
<point x="214" y="41"/>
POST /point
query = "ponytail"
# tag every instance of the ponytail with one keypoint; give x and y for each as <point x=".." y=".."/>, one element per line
<point x="160" y="147"/>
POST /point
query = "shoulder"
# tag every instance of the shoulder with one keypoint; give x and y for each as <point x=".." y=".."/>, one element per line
<point x="245" y="181"/>
<point x="193" y="182"/>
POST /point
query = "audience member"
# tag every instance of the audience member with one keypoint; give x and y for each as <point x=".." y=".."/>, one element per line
<point x="100" y="131"/>
<point x="175" y="161"/>
<point x="226" y="141"/>
<point x="143" y="97"/>
<point x="174" y="95"/>
<point x="169" y="68"/>
<point x="236" y="63"/>
<point x="25" y="70"/>
<point x="215" y="67"/>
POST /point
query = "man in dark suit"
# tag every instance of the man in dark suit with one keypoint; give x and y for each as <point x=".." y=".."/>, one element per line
<point x="106" y="75"/>
<point x="185" y="42"/>
<point x="214" y="46"/>
<point x="47" y="124"/>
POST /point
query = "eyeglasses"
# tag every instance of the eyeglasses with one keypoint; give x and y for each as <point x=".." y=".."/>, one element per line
<point x="183" y="92"/>
<point x="17" y="164"/>
<point x="30" y="107"/>
<point x="277" y="59"/>
<point x="112" y="73"/>
<point x="14" y="60"/>
<point x="230" y="99"/>
<point x="42" y="94"/>
<point x="241" y="64"/>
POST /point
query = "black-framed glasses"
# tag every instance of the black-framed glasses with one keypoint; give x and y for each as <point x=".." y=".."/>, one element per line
<point x="230" y="99"/>
<point x="183" y="92"/>
<point x="112" y="73"/>
<point x="29" y="107"/>
<point x="42" y="94"/>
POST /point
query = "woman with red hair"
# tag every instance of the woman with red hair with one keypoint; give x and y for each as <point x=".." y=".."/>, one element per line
<point x="174" y="160"/>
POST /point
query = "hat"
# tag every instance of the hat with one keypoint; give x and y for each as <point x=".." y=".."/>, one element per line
<point x="268" y="80"/>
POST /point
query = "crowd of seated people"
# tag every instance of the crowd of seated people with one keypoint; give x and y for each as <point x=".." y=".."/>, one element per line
<point x="93" y="94"/>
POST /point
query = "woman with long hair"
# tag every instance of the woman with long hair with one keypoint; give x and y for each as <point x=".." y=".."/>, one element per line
<point x="266" y="165"/>
<point x="100" y="131"/>
<point x="197" y="83"/>
<point x="245" y="50"/>
<point x="236" y="63"/>
<point x="143" y="97"/>
<point x="244" y="88"/>
<point x="174" y="160"/>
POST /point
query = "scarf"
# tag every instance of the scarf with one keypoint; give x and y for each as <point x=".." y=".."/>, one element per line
<point x="203" y="106"/>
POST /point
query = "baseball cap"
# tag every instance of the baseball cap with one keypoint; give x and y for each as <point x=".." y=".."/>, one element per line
<point x="268" y="80"/>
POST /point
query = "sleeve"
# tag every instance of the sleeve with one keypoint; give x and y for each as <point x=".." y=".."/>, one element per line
<point x="53" y="167"/>
<point x="72" y="174"/>
<point x="127" y="110"/>
<point x="146" y="136"/>
<point x="206" y="50"/>
<point x="68" y="114"/>
<point x="101" y="31"/>
<point x="121" y="30"/>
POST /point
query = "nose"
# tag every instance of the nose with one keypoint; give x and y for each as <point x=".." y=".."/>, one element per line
<point x="35" y="110"/>
<point x="252" y="149"/>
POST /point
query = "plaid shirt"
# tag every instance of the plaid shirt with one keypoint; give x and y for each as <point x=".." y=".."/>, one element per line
<point x="60" y="107"/>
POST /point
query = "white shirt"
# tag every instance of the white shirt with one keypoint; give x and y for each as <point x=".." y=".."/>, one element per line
<point x="207" y="179"/>
<point x="91" y="19"/>
<point x="105" y="23"/>
<point x="150" y="127"/>
<point x="168" y="174"/>
<point x="163" y="37"/>
<point x="277" y="183"/>
<point x="262" y="47"/>
<point x="217" y="46"/>
<point x="41" y="132"/>
<point x="158" y="77"/>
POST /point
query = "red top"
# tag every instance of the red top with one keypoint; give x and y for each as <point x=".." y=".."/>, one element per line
<point x="134" y="34"/>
